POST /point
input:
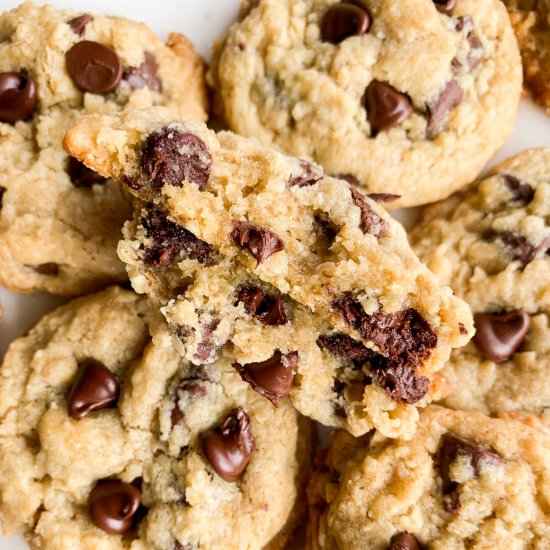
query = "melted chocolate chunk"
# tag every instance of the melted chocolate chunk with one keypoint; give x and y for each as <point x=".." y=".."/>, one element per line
<point x="404" y="541"/>
<point x="451" y="96"/>
<point x="18" y="96"/>
<point x="78" y="24"/>
<point x="371" y="222"/>
<point x="271" y="378"/>
<point x="453" y="447"/>
<point x="260" y="242"/>
<point x="306" y="174"/>
<point x="169" y="241"/>
<point x="82" y="176"/>
<point x="386" y="107"/>
<point x="206" y="348"/>
<point x="269" y="312"/>
<point x="522" y="250"/>
<point x="146" y="75"/>
<point x="499" y="336"/>
<point x="50" y="269"/>
<point x="345" y="348"/>
<point x="344" y="20"/>
<point x="521" y="191"/>
<point x="170" y="156"/>
<point x="229" y="447"/>
<point x="383" y="197"/>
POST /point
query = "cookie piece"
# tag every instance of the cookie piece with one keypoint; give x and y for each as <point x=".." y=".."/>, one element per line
<point x="463" y="481"/>
<point x="412" y="102"/>
<point x="491" y="244"/>
<point x="531" y="22"/>
<point x="243" y="245"/>
<point x="94" y="417"/>
<point x="59" y="221"/>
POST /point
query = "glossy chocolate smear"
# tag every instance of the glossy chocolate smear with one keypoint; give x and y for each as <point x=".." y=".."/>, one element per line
<point x="78" y="24"/>
<point x="386" y="107"/>
<point x="371" y="222"/>
<point x="260" y="242"/>
<point x="521" y="191"/>
<point x="229" y="447"/>
<point x="82" y="176"/>
<point x="344" y="20"/>
<point x="453" y="447"/>
<point x="146" y="75"/>
<point x="271" y="378"/>
<point x="522" y="250"/>
<point x="450" y="97"/>
<point x="18" y="97"/>
<point x="169" y="241"/>
<point x="445" y="6"/>
<point x="50" y="269"/>
<point x="404" y="541"/>
<point x="173" y="157"/>
<point x="113" y="504"/>
<point x="94" y="67"/>
<point x="346" y="349"/>
<point x="499" y="336"/>
<point x="95" y="387"/>
<point x="305" y="174"/>
<point x="268" y="311"/>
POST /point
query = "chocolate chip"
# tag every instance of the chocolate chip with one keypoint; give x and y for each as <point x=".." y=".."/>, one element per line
<point x="206" y="348"/>
<point x="499" y="336"/>
<point x="169" y="241"/>
<point x="386" y="107"/>
<point x="451" y="96"/>
<point x="193" y="387"/>
<point x="50" y="269"/>
<point x="521" y="191"/>
<point x="176" y="416"/>
<point x="18" y="97"/>
<point x="229" y="447"/>
<point x="476" y="53"/>
<point x="173" y="157"/>
<point x="2" y="191"/>
<point x="268" y="311"/>
<point x="383" y="197"/>
<point x="146" y="75"/>
<point x="452" y="447"/>
<point x="260" y="242"/>
<point x="94" y="67"/>
<point x="78" y="24"/>
<point x="344" y="20"/>
<point x="271" y="378"/>
<point x="112" y="506"/>
<point x="350" y="178"/>
<point x="462" y="329"/>
<point x="404" y="541"/>
<point x="522" y="250"/>
<point x="445" y="6"/>
<point x="347" y="349"/>
<point x="94" y="387"/>
<point x="371" y="222"/>
<point x="404" y="336"/>
<point x="305" y="174"/>
<point x="82" y="176"/>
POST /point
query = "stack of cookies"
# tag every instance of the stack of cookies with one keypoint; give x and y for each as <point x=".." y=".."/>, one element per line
<point x="237" y="290"/>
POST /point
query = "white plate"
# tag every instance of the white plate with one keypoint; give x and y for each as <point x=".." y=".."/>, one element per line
<point x="201" y="21"/>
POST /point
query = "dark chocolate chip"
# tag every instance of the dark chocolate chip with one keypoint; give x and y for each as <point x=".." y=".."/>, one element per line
<point x="78" y="24"/>
<point x="169" y="241"/>
<point x="451" y="96"/>
<point x="345" y="348"/>
<point x="350" y="178"/>
<point x="404" y="541"/>
<point x="371" y="222"/>
<point x="113" y="504"/>
<point x="475" y="56"/>
<point x="521" y="191"/>
<point x="268" y="311"/>
<point x="18" y="97"/>
<point x="344" y="20"/>
<point x="445" y="6"/>
<point x="462" y="329"/>
<point x="146" y="75"/>
<point x="94" y="387"/>
<point x="383" y="197"/>
<point x="82" y="176"/>
<point x="386" y="107"/>
<point x="260" y="242"/>
<point x="522" y="250"/>
<point x="305" y="174"/>
<point x="499" y="336"/>
<point x="229" y="447"/>
<point x="94" y="67"/>
<point x="194" y="387"/>
<point x="176" y="416"/>
<point x="50" y="269"/>
<point x="173" y="157"/>
<point x="206" y="348"/>
<point x="271" y="378"/>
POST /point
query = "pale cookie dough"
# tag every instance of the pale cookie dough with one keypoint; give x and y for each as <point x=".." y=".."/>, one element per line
<point x="411" y="98"/>
<point x="491" y="244"/>
<point x="58" y="226"/>
<point x="222" y="215"/>
<point x="86" y="397"/>
<point x="464" y="481"/>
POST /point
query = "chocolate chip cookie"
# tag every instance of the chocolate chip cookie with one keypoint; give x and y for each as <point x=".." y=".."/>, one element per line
<point x="309" y="283"/>
<point x="491" y="244"/>
<point x="463" y="481"/>
<point x="60" y="222"/>
<point x="531" y="22"/>
<point x="108" y="440"/>
<point x="411" y="101"/>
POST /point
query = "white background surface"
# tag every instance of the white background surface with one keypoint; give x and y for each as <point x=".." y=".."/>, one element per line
<point x="202" y="21"/>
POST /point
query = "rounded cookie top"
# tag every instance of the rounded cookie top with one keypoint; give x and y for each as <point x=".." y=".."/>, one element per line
<point x="463" y="481"/>
<point x="60" y="222"/>
<point x="411" y="101"/>
<point x="491" y="244"/>
<point x="108" y="440"/>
